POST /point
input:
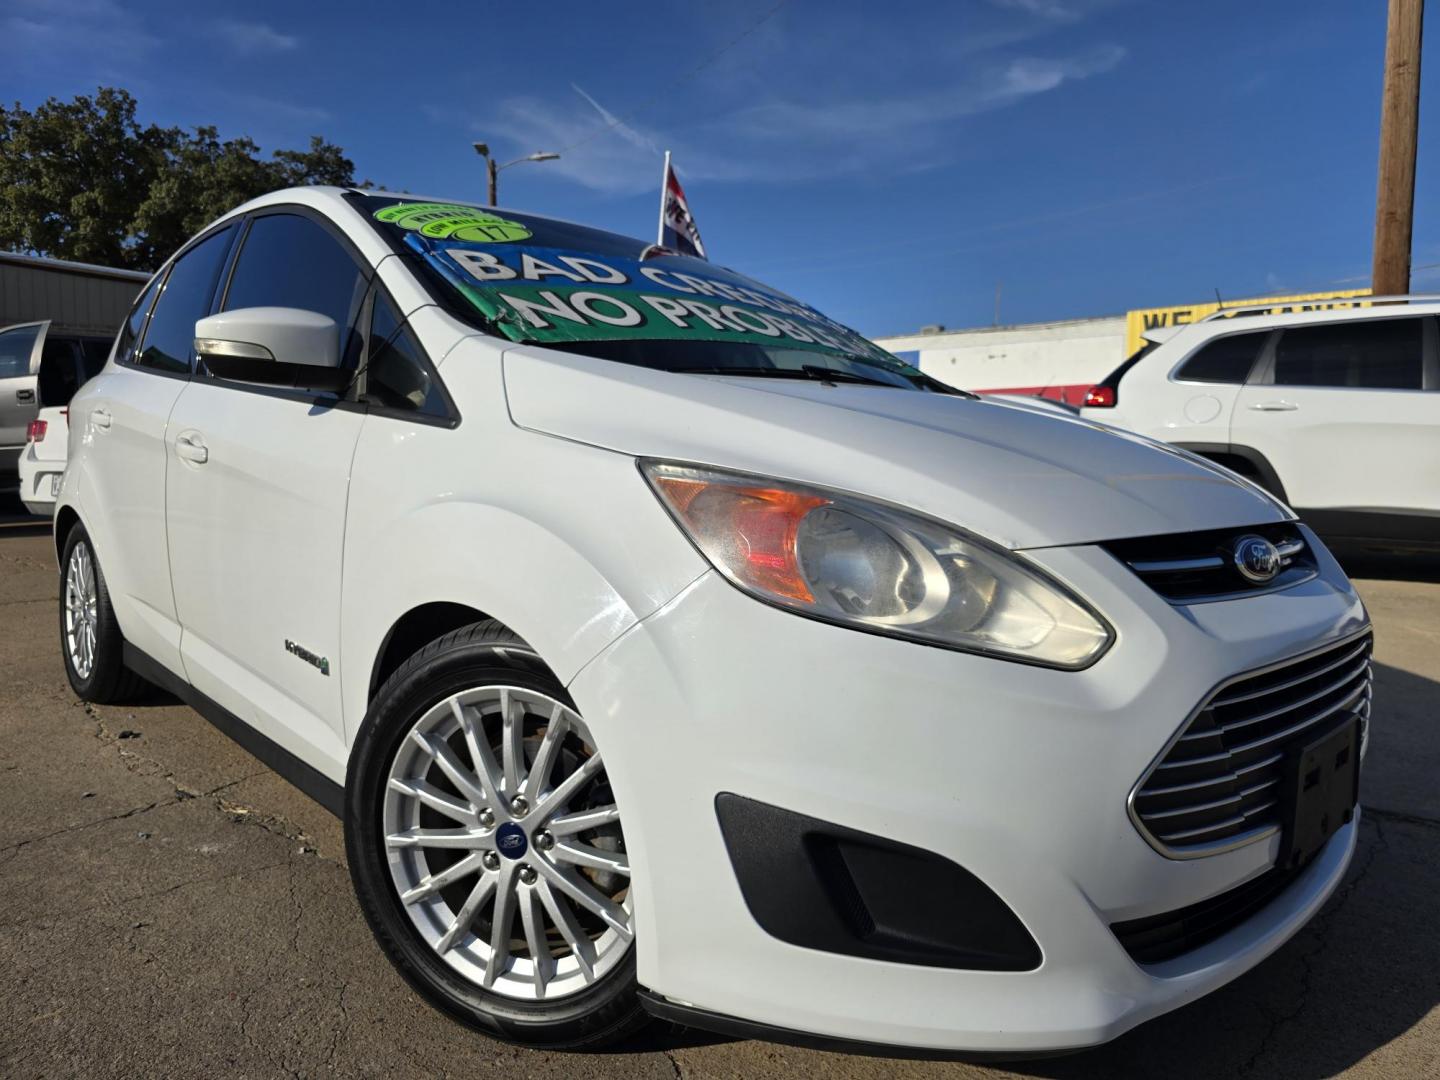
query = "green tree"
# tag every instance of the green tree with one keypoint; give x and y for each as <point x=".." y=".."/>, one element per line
<point x="84" y="180"/>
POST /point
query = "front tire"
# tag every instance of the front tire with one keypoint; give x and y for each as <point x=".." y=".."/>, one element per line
<point x="90" y="638"/>
<point x="485" y="845"/>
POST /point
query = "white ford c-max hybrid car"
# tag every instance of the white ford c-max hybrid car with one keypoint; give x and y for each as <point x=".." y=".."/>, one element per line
<point x="669" y="649"/>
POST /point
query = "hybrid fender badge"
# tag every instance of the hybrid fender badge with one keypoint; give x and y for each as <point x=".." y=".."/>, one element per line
<point x="321" y="663"/>
<point x="1256" y="558"/>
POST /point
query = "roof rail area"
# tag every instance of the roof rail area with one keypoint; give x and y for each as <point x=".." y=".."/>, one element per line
<point x="1321" y="305"/>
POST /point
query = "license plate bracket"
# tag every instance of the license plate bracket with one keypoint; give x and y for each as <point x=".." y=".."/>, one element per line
<point x="1321" y="791"/>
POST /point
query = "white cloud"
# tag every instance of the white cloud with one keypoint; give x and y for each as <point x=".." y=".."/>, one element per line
<point x="618" y="126"/>
<point x="285" y="114"/>
<point x="78" y="30"/>
<point x="598" y="149"/>
<point x="254" y="38"/>
<point x="782" y="138"/>
<point x="1045" y="9"/>
<point x="895" y="119"/>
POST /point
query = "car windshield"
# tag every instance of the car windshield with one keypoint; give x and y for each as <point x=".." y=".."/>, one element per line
<point x="582" y="290"/>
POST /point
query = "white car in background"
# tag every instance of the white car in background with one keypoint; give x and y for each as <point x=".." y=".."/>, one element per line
<point x="669" y="649"/>
<point x="41" y="367"/>
<point x="42" y="461"/>
<point x="1337" y="411"/>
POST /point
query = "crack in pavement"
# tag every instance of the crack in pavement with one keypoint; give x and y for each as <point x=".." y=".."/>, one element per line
<point x="340" y="1028"/>
<point x="1400" y="816"/>
<point x="182" y="794"/>
<point x="133" y="812"/>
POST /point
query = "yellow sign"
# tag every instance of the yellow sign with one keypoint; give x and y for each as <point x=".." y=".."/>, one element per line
<point x="1142" y="319"/>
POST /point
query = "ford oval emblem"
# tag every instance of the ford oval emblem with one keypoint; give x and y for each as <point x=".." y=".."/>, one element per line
<point x="510" y="840"/>
<point x="1257" y="559"/>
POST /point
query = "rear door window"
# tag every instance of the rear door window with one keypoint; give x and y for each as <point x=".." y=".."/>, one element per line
<point x="1384" y="354"/>
<point x="15" y="349"/>
<point x="134" y="328"/>
<point x="1225" y="360"/>
<point x="169" y="343"/>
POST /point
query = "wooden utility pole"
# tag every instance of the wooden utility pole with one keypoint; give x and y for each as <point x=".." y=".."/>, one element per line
<point x="1399" y="126"/>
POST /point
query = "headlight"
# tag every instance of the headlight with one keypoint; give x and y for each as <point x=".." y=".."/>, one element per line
<point x="864" y="564"/>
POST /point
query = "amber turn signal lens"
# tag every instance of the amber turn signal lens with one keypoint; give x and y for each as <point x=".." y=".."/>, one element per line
<point x="758" y="524"/>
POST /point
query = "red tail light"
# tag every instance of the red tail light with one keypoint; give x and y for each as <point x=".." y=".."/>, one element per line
<point x="36" y="431"/>
<point x="1100" y="397"/>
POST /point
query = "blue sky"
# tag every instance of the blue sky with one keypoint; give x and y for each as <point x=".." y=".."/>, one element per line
<point x="889" y="163"/>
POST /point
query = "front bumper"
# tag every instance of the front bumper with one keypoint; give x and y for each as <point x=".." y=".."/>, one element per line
<point x="1015" y="773"/>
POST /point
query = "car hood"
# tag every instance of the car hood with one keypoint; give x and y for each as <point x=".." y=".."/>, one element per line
<point x="1017" y="476"/>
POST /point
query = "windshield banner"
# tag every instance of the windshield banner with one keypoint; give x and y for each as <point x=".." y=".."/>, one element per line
<point x="544" y="294"/>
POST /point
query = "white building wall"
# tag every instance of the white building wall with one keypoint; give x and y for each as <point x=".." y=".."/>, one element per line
<point x="1059" y="359"/>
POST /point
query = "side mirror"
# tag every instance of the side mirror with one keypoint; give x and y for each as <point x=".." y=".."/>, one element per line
<point x="272" y="345"/>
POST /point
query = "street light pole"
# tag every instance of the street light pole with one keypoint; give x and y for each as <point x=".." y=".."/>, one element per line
<point x="492" y="171"/>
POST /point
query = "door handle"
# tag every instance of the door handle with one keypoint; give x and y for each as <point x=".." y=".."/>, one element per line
<point x="189" y="447"/>
<point x="1274" y="406"/>
<point x="24" y="396"/>
<point x="99" y="418"/>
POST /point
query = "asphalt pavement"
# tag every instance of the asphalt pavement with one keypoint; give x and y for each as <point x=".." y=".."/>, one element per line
<point x="168" y="906"/>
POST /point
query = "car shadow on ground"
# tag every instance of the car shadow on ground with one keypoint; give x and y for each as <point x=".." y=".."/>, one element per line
<point x="15" y="520"/>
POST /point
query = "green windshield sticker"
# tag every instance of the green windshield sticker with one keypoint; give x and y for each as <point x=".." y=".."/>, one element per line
<point x="549" y="295"/>
<point x="449" y="221"/>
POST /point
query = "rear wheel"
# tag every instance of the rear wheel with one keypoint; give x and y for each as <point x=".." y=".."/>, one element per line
<point x="90" y="637"/>
<point x="486" y="845"/>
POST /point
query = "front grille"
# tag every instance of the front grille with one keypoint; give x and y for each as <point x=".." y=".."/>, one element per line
<point x="1163" y="937"/>
<point x="1218" y="784"/>
<point x="1189" y="568"/>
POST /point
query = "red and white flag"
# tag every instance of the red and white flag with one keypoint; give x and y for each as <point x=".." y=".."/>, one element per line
<point x="677" y="226"/>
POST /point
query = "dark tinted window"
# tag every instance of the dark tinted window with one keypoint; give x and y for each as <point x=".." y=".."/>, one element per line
<point x="170" y="339"/>
<point x="15" y="348"/>
<point x="135" y="325"/>
<point x="1224" y="360"/>
<point x="397" y="374"/>
<point x="59" y="370"/>
<point x="93" y="354"/>
<point x="1386" y="354"/>
<point x="291" y="261"/>
<point x="66" y="364"/>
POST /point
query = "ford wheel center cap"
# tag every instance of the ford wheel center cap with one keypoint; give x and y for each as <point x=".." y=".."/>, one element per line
<point x="1257" y="559"/>
<point x="510" y="840"/>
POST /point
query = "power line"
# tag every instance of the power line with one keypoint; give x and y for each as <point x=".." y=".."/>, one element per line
<point x="684" y="77"/>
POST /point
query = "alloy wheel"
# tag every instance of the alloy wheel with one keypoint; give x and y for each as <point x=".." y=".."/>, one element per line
<point x="81" y="610"/>
<point x="504" y="843"/>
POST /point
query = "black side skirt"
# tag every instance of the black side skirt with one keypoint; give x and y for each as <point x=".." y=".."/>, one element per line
<point x="704" y="1020"/>
<point x="304" y="776"/>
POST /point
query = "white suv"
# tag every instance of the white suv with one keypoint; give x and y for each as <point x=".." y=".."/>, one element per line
<point x="1335" y="411"/>
<point x="926" y="721"/>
